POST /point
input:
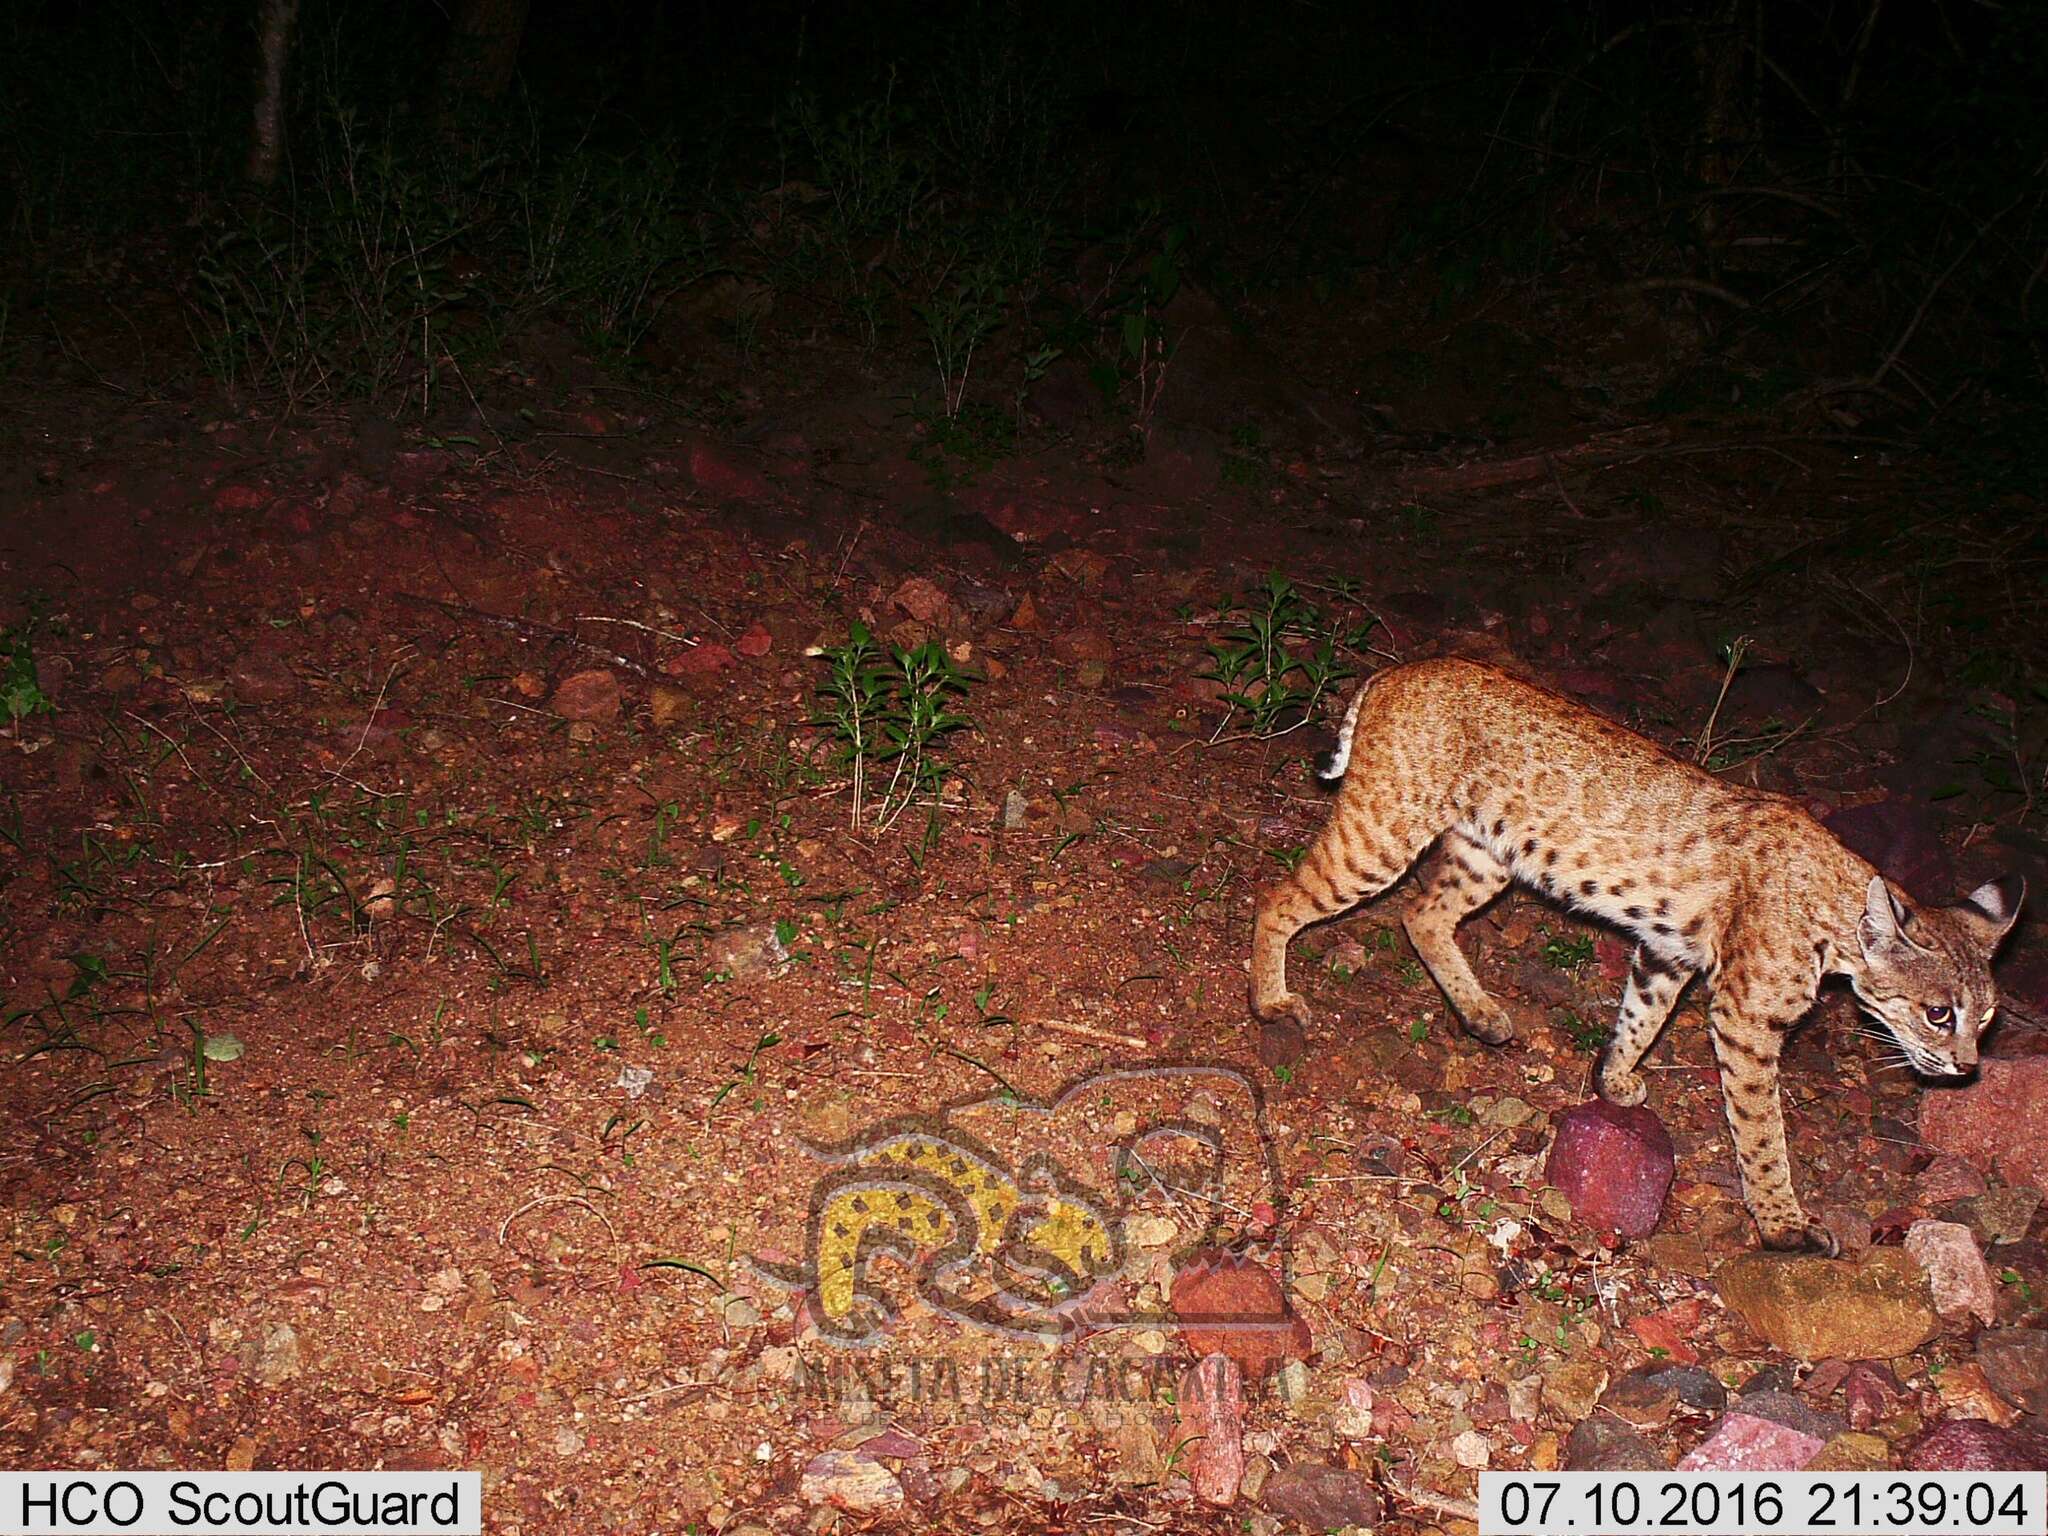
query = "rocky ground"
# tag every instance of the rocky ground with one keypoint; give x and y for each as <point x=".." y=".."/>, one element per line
<point x="440" y="955"/>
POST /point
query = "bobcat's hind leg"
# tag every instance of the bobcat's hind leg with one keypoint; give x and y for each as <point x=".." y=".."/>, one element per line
<point x="1359" y="853"/>
<point x="1463" y="878"/>
<point x="1653" y="987"/>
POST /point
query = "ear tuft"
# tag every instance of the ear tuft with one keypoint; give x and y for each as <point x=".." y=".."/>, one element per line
<point x="1995" y="905"/>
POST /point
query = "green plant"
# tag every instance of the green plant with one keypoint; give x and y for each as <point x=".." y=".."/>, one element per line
<point x="1269" y="673"/>
<point x="889" y="712"/>
<point x="1569" y="952"/>
<point x="1586" y="1034"/>
<point x="958" y="316"/>
<point x="20" y="693"/>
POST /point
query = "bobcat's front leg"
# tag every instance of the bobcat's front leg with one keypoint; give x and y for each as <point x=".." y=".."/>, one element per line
<point x="1749" y="1022"/>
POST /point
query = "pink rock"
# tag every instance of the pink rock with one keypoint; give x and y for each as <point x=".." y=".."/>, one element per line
<point x="1956" y="1275"/>
<point x="755" y="642"/>
<point x="717" y="473"/>
<point x="1614" y="1165"/>
<point x="851" y="1481"/>
<point x="1742" y="1442"/>
<point x="1973" y="1445"/>
<point x="1212" y="1428"/>
<point x="1868" y="1392"/>
<point x="1947" y="1178"/>
<point x="592" y="695"/>
<point x="1999" y="1120"/>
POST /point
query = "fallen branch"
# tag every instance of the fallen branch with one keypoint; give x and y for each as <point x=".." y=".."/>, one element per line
<point x="529" y="629"/>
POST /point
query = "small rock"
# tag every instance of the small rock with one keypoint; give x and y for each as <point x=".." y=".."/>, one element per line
<point x="1025" y="615"/>
<point x="1471" y="1449"/>
<point x="1573" y="1387"/>
<point x="1874" y="1307"/>
<point x="275" y="1359"/>
<point x="2003" y="1215"/>
<point x="592" y="695"/>
<point x="746" y="951"/>
<point x="1323" y="1498"/>
<point x="567" y="1442"/>
<point x="1852" y="1452"/>
<point x="1615" y="1166"/>
<point x="1231" y="1306"/>
<point x="851" y="1481"/>
<point x="1603" y="1444"/>
<point x="1281" y="1043"/>
<point x="1211" y="1404"/>
<point x="699" y="660"/>
<point x="1955" y="1270"/>
<point x="1640" y="1399"/>
<point x="1781" y="1406"/>
<point x="1966" y="1393"/>
<point x="1998" y="1120"/>
<point x="1971" y="1445"/>
<point x="242" y="1454"/>
<point x="755" y="643"/>
<point x="1084" y="645"/>
<point x="1742" y="1442"/>
<point x="2015" y="1362"/>
<point x="1868" y="1393"/>
<point x="1946" y="1179"/>
<point x="923" y="601"/>
<point x="261" y="677"/>
<point x="667" y="705"/>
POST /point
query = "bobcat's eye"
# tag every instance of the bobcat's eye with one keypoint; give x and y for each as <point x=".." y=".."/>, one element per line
<point x="1941" y="1016"/>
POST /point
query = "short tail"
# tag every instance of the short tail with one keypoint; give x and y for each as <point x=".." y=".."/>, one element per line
<point x="1331" y="765"/>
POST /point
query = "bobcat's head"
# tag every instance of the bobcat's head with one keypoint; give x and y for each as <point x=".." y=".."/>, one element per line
<point x="1926" y="974"/>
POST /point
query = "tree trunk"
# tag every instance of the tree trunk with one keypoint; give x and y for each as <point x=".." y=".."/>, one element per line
<point x="273" y="52"/>
<point x="483" y="53"/>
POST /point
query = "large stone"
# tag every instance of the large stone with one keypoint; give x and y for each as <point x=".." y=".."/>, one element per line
<point x="1614" y="1165"/>
<point x="1231" y="1306"/>
<point x="1956" y="1275"/>
<point x="1874" y="1307"/>
<point x="1998" y="1120"/>
<point x="851" y="1481"/>
<point x="1321" y="1498"/>
<point x="2015" y="1362"/>
<point x="1971" y="1445"/>
<point x="1742" y="1442"/>
<point x="1212" y="1428"/>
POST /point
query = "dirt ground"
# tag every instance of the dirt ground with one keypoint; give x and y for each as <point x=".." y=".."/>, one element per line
<point x="426" y="1053"/>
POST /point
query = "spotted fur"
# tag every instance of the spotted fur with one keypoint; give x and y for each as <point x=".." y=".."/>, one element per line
<point x="1511" y="782"/>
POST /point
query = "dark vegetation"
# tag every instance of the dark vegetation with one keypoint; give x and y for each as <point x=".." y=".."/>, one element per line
<point x="1845" y="204"/>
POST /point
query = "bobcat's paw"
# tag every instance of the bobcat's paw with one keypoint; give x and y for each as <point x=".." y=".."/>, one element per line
<point x="1288" y="1005"/>
<point x="1490" y="1025"/>
<point x="1626" y="1089"/>
<point x="1804" y="1237"/>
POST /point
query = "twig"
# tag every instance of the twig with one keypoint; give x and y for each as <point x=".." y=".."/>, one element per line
<point x="1736" y="651"/>
<point x="1435" y="1503"/>
<point x="528" y="628"/>
<point x="1090" y="1032"/>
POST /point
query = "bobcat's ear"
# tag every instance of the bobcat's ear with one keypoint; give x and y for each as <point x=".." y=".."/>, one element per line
<point x="1882" y="917"/>
<point x="1993" y="907"/>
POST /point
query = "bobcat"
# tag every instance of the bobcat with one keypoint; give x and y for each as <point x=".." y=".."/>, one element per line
<point x="1515" y="783"/>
